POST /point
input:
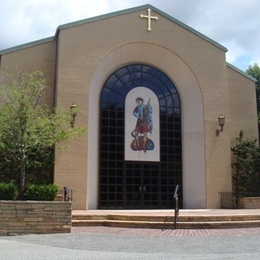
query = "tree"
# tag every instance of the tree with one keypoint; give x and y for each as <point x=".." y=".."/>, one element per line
<point x="246" y="177"/>
<point x="254" y="71"/>
<point x="29" y="130"/>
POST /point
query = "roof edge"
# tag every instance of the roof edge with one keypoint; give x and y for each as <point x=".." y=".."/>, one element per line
<point x="103" y="16"/>
<point x="139" y="8"/>
<point x="241" y="72"/>
<point x="201" y="35"/>
<point x="27" y="45"/>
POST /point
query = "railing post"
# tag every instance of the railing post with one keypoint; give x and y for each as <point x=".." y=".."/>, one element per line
<point x="66" y="194"/>
<point x="176" y="210"/>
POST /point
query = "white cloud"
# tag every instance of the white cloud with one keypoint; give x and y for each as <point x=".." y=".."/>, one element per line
<point x="233" y="23"/>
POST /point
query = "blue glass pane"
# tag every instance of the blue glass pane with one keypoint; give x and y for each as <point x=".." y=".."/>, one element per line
<point x="120" y="106"/>
<point x="176" y="101"/>
<point x="154" y="88"/>
<point x="162" y="102"/>
<point x="105" y="95"/>
<point x="123" y="91"/>
<point x="165" y="90"/>
<point x="170" y="111"/>
<point x="117" y="85"/>
<point x="125" y="79"/>
<point x="111" y="80"/>
<point x="112" y="96"/>
<point x="148" y="69"/>
<point x="121" y="99"/>
<point x="157" y="82"/>
<point x="177" y="111"/>
<point x="170" y="86"/>
<point x="169" y="101"/>
<point x="129" y="85"/>
<point x="136" y="75"/>
<point x="159" y="74"/>
<point x="160" y="96"/>
<point x="148" y="77"/>
<point x="104" y="105"/>
<point x="133" y="68"/>
<point x="121" y="72"/>
<point x="137" y="82"/>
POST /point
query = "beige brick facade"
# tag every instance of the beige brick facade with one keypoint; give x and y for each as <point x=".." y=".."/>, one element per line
<point x="82" y="55"/>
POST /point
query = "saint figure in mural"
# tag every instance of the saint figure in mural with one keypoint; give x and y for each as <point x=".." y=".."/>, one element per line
<point x="144" y="125"/>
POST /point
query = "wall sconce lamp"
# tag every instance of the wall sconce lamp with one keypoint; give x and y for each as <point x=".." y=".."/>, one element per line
<point x="73" y="112"/>
<point x="221" y="122"/>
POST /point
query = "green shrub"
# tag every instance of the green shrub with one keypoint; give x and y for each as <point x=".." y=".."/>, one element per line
<point x="8" y="191"/>
<point x="41" y="191"/>
<point x="247" y="165"/>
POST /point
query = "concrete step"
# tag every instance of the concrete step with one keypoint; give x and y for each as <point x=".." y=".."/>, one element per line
<point x="167" y="222"/>
<point x="168" y="225"/>
<point x="184" y="218"/>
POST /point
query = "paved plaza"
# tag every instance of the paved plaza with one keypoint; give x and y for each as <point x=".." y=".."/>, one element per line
<point x="125" y="243"/>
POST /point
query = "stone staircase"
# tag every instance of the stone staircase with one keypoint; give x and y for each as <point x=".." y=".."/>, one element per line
<point x="166" y="221"/>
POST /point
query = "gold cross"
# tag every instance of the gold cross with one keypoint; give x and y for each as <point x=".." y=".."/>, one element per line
<point x="149" y="17"/>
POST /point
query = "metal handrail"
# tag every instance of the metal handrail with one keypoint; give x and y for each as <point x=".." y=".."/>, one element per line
<point x="67" y="194"/>
<point x="176" y="210"/>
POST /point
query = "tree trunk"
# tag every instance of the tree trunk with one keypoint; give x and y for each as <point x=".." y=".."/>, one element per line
<point x="22" y="181"/>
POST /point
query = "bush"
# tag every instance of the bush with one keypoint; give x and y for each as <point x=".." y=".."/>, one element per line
<point x="8" y="191"/>
<point x="247" y="165"/>
<point x="41" y="191"/>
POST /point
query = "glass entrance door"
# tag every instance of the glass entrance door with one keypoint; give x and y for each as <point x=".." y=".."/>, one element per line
<point x="142" y="186"/>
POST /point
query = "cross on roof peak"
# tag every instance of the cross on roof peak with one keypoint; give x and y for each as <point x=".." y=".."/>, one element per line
<point x="149" y="17"/>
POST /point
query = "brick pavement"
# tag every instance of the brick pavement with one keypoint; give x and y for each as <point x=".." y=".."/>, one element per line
<point x="238" y="232"/>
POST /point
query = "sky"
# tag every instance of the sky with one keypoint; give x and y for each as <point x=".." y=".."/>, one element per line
<point x="235" y="24"/>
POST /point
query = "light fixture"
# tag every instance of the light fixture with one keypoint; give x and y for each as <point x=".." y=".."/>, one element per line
<point x="221" y="122"/>
<point x="73" y="112"/>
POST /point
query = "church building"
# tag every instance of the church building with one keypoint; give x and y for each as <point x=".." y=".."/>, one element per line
<point x="161" y="105"/>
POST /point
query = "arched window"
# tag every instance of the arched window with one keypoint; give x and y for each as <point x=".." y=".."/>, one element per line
<point x="139" y="184"/>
